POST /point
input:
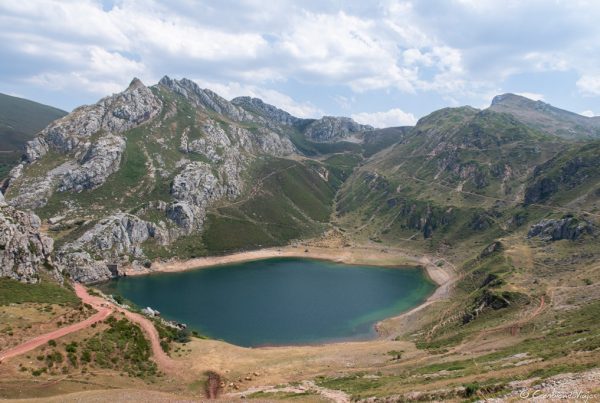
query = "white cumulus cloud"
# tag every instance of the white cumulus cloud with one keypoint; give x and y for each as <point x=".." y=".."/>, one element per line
<point x="390" y="118"/>
<point x="589" y="85"/>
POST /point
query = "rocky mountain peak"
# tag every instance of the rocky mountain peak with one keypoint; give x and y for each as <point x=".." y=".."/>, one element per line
<point x="136" y="83"/>
<point x="266" y="110"/>
<point x="204" y="98"/>
<point x="510" y="98"/>
<point x="335" y="128"/>
<point x="548" y="118"/>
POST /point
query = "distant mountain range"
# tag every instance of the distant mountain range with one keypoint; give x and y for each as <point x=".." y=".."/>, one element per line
<point x="546" y="117"/>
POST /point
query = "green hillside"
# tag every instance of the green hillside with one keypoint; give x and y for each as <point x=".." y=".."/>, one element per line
<point x="20" y="120"/>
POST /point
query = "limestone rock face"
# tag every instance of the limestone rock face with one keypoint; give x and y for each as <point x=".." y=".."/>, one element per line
<point x="82" y="268"/>
<point x="117" y="235"/>
<point x="205" y="98"/>
<point x="268" y="111"/>
<point x="565" y="228"/>
<point x="88" y="140"/>
<point x="100" y="161"/>
<point x="330" y="128"/>
<point x="34" y="191"/>
<point x="113" y="114"/>
<point x="193" y="188"/>
<point x="24" y="251"/>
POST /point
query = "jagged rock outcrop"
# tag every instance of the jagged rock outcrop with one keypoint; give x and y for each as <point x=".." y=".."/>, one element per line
<point x="205" y="98"/>
<point x="111" y="240"/>
<point x="331" y="128"/>
<point x="34" y="191"/>
<point x="492" y="248"/>
<point x="82" y="268"/>
<point x="101" y="160"/>
<point x="24" y="251"/>
<point x="113" y="114"/>
<point x="118" y="235"/>
<point x="540" y="191"/>
<point x="88" y="139"/>
<point x="270" y="112"/>
<point x="193" y="188"/>
<point x="566" y="228"/>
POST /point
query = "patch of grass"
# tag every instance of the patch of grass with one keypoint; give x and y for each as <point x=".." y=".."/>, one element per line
<point x="355" y="385"/>
<point x="185" y="247"/>
<point x="281" y="395"/>
<point x="121" y="347"/>
<point x="291" y="201"/>
<point x="15" y="292"/>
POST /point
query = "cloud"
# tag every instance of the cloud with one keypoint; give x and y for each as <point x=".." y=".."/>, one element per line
<point x="589" y="85"/>
<point x="312" y="44"/>
<point x="392" y="117"/>
<point x="587" y="113"/>
<point x="453" y="51"/>
<point x="345" y="48"/>
<point x="531" y="95"/>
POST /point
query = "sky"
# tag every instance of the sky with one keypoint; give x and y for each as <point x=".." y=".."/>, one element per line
<point x="384" y="63"/>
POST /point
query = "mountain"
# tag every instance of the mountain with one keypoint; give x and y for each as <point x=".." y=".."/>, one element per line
<point x="503" y="208"/>
<point x="176" y="170"/>
<point x="546" y="117"/>
<point x="20" y="120"/>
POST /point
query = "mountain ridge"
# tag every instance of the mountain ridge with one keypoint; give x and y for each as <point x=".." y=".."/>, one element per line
<point x="187" y="167"/>
<point x="546" y="117"/>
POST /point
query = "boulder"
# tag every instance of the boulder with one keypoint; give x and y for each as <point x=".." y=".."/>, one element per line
<point x="568" y="227"/>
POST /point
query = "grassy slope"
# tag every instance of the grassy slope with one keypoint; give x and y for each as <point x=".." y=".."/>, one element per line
<point x="398" y="197"/>
<point x="291" y="201"/>
<point x="20" y="120"/>
<point x="403" y="198"/>
<point x="15" y="292"/>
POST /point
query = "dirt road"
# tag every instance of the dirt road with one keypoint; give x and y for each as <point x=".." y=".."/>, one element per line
<point x="103" y="313"/>
<point x="164" y="362"/>
<point x="104" y="309"/>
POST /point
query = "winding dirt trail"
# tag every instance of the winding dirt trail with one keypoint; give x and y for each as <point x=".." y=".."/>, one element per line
<point x="103" y="312"/>
<point x="105" y="309"/>
<point x="164" y="362"/>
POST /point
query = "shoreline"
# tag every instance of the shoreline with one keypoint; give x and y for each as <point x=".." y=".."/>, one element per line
<point x="368" y="256"/>
<point x="443" y="276"/>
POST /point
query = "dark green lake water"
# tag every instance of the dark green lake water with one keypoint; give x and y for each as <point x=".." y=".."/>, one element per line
<point x="279" y="301"/>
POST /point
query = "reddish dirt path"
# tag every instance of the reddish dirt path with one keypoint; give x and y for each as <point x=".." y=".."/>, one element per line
<point x="163" y="361"/>
<point x="103" y="313"/>
<point x="104" y="309"/>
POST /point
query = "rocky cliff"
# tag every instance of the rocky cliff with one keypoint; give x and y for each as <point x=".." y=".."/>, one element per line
<point x="24" y="251"/>
<point x="331" y="128"/>
<point x="139" y="170"/>
<point x="88" y="142"/>
<point x="568" y="227"/>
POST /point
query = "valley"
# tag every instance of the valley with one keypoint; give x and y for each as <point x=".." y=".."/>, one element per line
<point x="499" y="206"/>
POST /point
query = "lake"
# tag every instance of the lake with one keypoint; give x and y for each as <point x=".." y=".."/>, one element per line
<point x="279" y="301"/>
